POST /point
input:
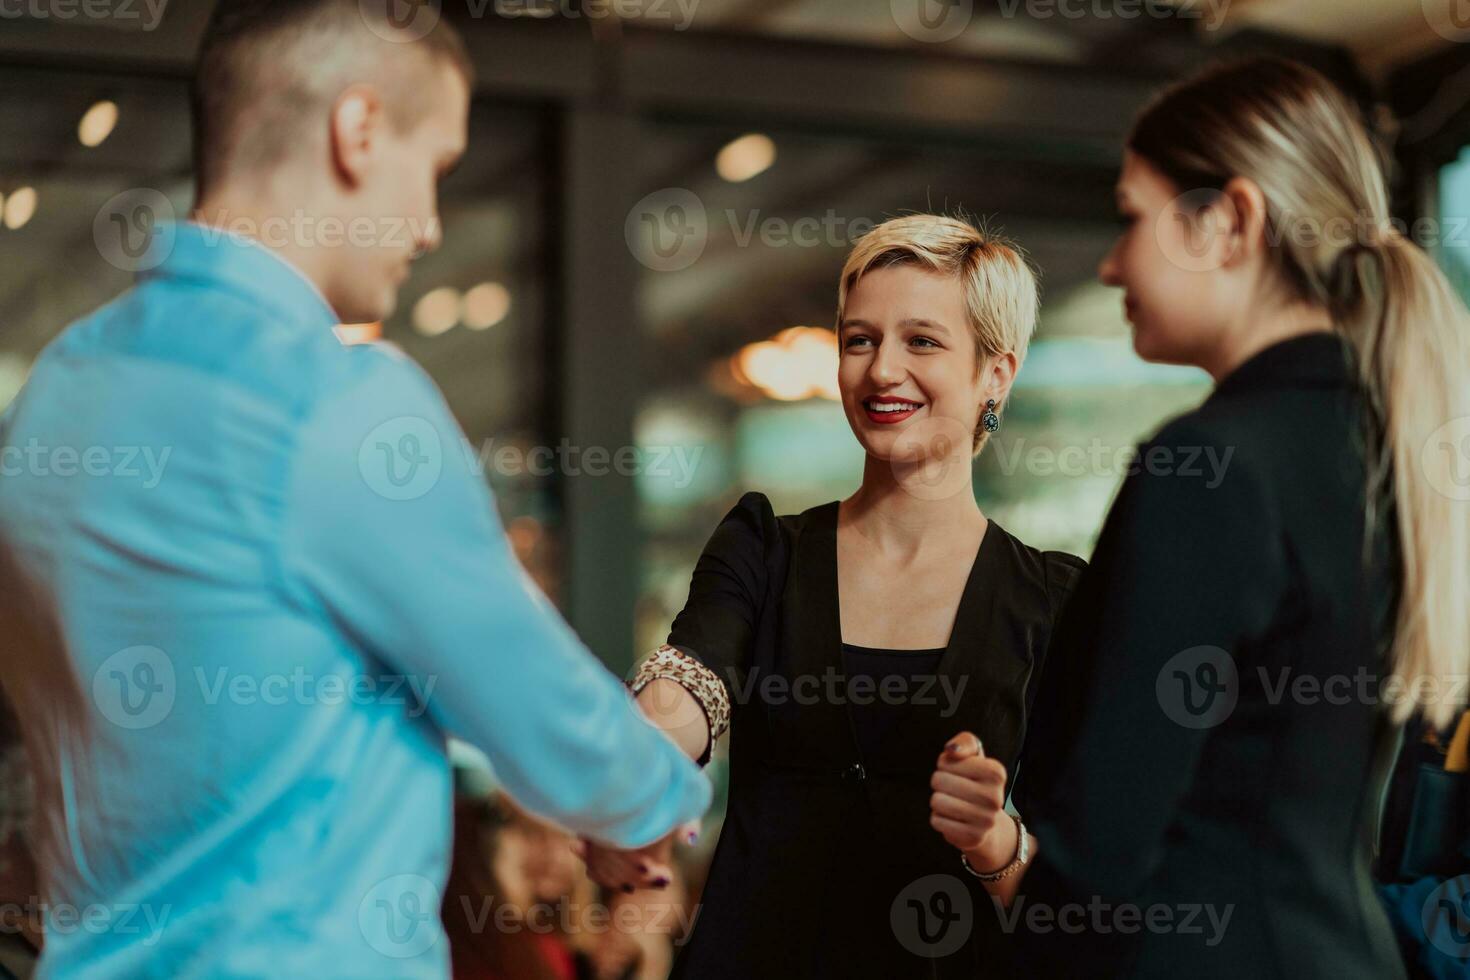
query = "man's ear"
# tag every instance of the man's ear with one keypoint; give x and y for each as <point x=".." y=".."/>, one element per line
<point x="356" y="126"/>
<point x="1246" y="212"/>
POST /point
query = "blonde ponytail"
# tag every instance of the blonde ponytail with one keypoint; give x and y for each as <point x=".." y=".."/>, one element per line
<point x="1416" y="363"/>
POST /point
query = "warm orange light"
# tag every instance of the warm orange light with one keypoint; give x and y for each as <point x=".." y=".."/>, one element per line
<point x="21" y="208"/>
<point x="744" y="158"/>
<point x="485" y="305"/>
<point x="97" y="124"/>
<point x="436" y="311"/>
<point x="798" y="363"/>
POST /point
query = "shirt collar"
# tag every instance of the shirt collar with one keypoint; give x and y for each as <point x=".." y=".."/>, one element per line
<point x="1310" y="360"/>
<point x="188" y="250"/>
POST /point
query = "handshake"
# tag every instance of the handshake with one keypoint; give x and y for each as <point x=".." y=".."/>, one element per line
<point x="966" y="807"/>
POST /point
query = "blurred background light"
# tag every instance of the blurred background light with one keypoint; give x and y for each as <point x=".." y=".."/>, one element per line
<point x="746" y="157"/>
<point x="485" y="305"/>
<point x="98" y="124"/>
<point x="437" y="311"/>
<point x="20" y="208"/>
<point x="798" y="363"/>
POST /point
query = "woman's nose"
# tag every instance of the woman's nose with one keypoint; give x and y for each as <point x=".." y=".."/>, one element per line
<point x="886" y="367"/>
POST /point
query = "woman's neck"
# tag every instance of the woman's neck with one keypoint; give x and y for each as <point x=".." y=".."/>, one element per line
<point x="1260" y="330"/>
<point x="907" y="512"/>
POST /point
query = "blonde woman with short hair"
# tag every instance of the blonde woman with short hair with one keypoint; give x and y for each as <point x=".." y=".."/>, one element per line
<point x="873" y="658"/>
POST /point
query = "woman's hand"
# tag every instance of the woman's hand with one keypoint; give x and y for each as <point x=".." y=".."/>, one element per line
<point x="968" y="804"/>
<point x="643" y="867"/>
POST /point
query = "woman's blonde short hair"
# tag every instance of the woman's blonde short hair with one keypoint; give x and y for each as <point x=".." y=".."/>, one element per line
<point x="1001" y="293"/>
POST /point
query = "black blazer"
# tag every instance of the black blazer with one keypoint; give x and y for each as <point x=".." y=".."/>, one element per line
<point x="819" y="844"/>
<point x="1202" y="739"/>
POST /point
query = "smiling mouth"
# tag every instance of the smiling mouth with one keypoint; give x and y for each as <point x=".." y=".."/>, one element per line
<point x="888" y="412"/>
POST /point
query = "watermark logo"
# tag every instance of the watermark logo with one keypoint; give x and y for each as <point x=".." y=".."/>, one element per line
<point x="1446" y="917"/>
<point x="834" y="687"/>
<point x="402" y="458"/>
<point x="1208" y="464"/>
<point x="1199" y="687"/>
<point x="400" y="21"/>
<point x="399" y="917"/>
<point x="932" y="21"/>
<point x="135" y="688"/>
<point x="135" y="230"/>
<point x="1445" y="459"/>
<point x="677" y="13"/>
<point x="149" y="12"/>
<point x="932" y="916"/>
<point x="667" y="230"/>
<point x="1195" y="232"/>
<point x="146" y="464"/>
<point x="145" y="922"/>
<point x="1208" y="921"/>
<point x="1450" y="19"/>
<point x="676" y="464"/>
<point x="931" y="457"/>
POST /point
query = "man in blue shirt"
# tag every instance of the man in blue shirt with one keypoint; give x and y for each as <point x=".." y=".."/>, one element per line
<point x="280" y="579"/>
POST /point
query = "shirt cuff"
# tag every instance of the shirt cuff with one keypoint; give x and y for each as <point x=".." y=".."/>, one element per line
<point x="703" y="684"/>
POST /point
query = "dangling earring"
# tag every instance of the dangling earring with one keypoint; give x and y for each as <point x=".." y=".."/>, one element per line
<point x="990" y="420"/>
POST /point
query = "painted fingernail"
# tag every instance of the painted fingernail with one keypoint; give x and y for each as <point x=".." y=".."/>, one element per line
<point x="693" y="837"/>
<point x="642" y="868"/>
<point x="660" y="882"/>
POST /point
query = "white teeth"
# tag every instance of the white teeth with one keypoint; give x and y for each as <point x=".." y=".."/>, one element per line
<point x="887" y="407"/>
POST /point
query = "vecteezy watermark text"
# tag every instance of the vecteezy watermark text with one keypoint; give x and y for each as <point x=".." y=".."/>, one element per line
<point x="145" y="463"/>
<point x="150" y="12"/>
<point x="1101" y="917"/>
<point x="1099" y="459"/>
<point x="40" y="917"/>
<point x="937" y="21"/>
<point x="832" y="686"/>
<point x="1200" y="687"/>
<point x="139" y="687"/>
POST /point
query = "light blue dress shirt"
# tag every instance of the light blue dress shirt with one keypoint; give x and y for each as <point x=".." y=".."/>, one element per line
<point x="283" y="582"/>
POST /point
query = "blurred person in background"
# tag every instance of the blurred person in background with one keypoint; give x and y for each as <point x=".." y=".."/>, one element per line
<point x="519" y="906"/>
<point x="276" y="634"/>
<point x="20" y="926"/>
<point x="29" y="638"/>
<point x="841" y="800"/>
<point x="1172" y="773"/>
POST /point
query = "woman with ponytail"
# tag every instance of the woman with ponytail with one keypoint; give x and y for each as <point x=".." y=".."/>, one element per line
<point x="1224" y="695"/>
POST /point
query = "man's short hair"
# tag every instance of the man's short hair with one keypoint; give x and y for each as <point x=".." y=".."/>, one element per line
<point x="269" y="69"/>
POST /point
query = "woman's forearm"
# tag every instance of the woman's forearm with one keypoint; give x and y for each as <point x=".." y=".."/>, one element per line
<point x="673" y="709"/>
<point x="996" y="854"/>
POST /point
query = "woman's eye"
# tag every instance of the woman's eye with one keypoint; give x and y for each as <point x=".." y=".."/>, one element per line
<point x="854" y="341"/>
<point x="925" y="341"/>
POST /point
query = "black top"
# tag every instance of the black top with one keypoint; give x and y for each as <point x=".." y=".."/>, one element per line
<point x="1201" y="743"/>
<point x="826" y="860"/>
<point x="878" y="686"/>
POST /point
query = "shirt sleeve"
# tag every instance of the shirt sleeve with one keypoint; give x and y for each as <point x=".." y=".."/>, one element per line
<point x="726" y="593"/>
<point x="709" y="648"/>
<point x="1063" y="571"/>
<point x="1186" y="573"/>
<point x="391" y="530"/>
